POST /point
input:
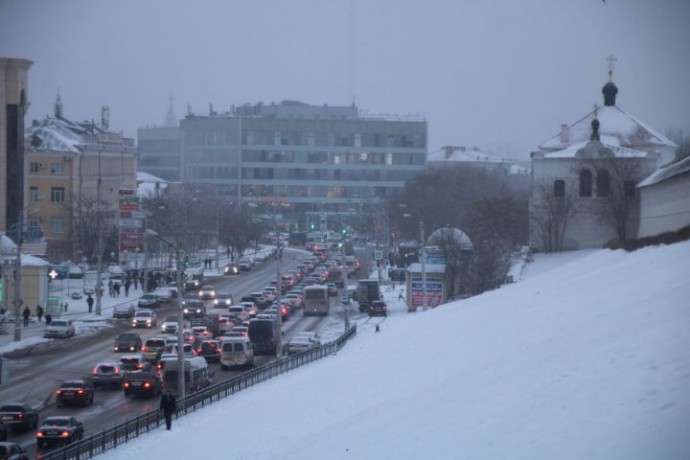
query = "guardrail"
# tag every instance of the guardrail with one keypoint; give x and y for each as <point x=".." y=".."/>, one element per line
<point x="110" y="438"/>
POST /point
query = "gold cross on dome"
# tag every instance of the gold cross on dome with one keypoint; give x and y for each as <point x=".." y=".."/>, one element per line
<point x="611" y="59"/>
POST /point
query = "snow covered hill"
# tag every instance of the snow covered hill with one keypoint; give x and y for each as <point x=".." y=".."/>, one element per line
<point x="589" y="359"/>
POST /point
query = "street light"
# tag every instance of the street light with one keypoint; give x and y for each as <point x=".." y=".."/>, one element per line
<point x="180" y="314"/>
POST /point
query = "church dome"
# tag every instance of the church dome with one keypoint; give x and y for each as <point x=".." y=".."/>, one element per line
<point x="609" y="91"/>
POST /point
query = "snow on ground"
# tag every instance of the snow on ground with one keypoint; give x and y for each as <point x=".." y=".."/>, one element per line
<point x="586" y="360"/>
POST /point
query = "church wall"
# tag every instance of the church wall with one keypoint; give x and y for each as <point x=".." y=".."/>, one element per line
<point x="665" y="206"/>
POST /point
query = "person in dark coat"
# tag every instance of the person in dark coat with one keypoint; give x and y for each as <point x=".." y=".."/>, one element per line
<point x="26" y="314"/>
<point x="168" y="407"/>
<point x="49" y="318"/>
<point x="89" y="302"/>
<point x="39" y="312"/>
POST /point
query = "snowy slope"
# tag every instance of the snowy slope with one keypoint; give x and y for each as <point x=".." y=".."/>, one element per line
<point x="587" y="360"/>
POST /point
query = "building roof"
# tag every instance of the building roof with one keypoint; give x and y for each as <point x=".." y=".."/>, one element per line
<point x="476" y="156"/>
<point x="580" y="149"/>
<point x="617" y="126"/>
<point x="681" y="166"/>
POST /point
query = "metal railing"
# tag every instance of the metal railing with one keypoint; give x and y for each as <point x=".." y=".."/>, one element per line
<point x="110" y="438"/>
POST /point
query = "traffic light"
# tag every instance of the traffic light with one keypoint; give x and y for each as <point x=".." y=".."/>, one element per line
<point x="312" y="225"/>
<point x="394" y="234"/>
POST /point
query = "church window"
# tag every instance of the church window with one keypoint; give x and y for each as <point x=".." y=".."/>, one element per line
<point x="585" y="183"/>
<point x="559" y="188"/>
<point x="603" y="183"/>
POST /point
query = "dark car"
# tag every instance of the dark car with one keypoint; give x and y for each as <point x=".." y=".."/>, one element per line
<point x="145" y="383"/>
<point x="18" y="416"/>
<point x="58" y="430"/>
<point x="12" y="451"/>
<point x="210" y="350"/>
<point x="377" y="308"/>
<point x="149" y="301"/>
<point x="128" y="342"/>
<point x="4" y="432"/>
<point x="77" y="392"/>
<point x="194" y="308"/>
<point x="125" y="311"/>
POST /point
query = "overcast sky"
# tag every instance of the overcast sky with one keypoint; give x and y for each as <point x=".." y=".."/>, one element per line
<point x="498" y="74"/>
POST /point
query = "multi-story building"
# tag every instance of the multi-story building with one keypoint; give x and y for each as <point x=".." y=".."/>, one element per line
<point x="67" y="161"/>
<point x="318" y="159"/>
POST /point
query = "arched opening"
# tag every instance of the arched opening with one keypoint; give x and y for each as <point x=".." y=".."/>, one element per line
<point x="585" y="183"/>
<point x="603" y="183"/>
<point x="559" y="188"/>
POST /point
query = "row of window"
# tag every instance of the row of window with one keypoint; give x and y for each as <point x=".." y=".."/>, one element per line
<point x="35" y="167"/>
<point x="57" y="224"/>
<point x="586" y="182"/>
<point x="360" y="175"/>
<point x="57" y="194"/>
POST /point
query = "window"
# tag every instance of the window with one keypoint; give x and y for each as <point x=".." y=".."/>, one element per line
<point x="33" y="194"/>
<point x="559" y="188"/>
<point x="56" y="168"/>
<point x="57" y="225"/>
<point x="34" y="167"/>
<point x="57" y="194"/>
<point x="603" y="183"/>
<point x="585" y="183"/>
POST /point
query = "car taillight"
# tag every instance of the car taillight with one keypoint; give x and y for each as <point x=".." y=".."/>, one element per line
<point x="64" y="434"/>
<point x="147" y="385"/>
<point x="95" y="370"/>
<point x="39" y="434"/>
<point x="144" y="348"/>
<point x="80" y="392"/>
<point x="126" y="384"/>
<point x="57" y="393"/>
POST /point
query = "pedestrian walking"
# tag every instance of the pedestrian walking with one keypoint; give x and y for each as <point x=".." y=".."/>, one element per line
<point x="49" y="318"/>
<point x="39" y="312"/>
<point x="66" y="305"/>
<point x="111" y="290"/>
<point x="168" y="407"/>
<point x="136" y="283"/>
<point x="116" y="289"/>
<point x="26" y="314"/>
<point x="89" y="302"/>
<point x="127" y="285"/>
<point x="400" y="296"/>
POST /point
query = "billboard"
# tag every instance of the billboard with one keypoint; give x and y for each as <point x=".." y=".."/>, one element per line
<point x="434" y="292"/>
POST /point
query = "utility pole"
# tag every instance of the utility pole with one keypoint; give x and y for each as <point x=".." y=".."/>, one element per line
<point x="423" y="256"/>
<point x="180" y="326"/>
<point x="278" y="330"/>
<point x="99" y="245"/>
<point x="18" y="279"/>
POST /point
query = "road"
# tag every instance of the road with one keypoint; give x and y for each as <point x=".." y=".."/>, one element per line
<point x="38" y="371"/>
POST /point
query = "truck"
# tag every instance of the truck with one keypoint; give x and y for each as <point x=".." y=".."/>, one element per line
<point x="368" y="291"/>
<point x="261" y="333"/>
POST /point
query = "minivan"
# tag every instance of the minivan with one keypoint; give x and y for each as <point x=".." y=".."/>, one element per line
<point x="236" y="352"/>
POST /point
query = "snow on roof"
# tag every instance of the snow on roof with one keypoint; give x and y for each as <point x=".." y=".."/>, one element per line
<point x="148" y="184"/>
<point x="674" y="169"/>
<point x="618" y="151"/>
<point x="464" y="154"/>
<point x="613" y="123"/>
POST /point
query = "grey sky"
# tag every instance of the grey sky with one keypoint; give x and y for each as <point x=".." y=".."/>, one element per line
<point x="498" y="74"/>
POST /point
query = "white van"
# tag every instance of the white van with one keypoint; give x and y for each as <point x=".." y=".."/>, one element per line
<point x="236" y="352"/>
<point x="196" y="374"/>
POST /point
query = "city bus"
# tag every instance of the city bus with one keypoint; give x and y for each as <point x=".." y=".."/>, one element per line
<point x="316" y="300"/>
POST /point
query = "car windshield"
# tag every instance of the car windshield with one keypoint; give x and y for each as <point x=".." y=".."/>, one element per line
<point x="155" y="343"/>
<point x="56" y="422"/>
<point x="143" y="313"/>
<point x="171" y="319"/>
<point x="57" y="322"/>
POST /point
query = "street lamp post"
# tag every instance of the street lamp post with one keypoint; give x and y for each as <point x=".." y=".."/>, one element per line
<point x="18" y="280"/>
<point x="180" y="314"/>
<point x="423" y="257"/>
<point x="279" y="291"/>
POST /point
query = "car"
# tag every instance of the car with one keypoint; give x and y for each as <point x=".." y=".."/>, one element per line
<point x="207" y="292"/>
<point x="166" y="294"/>
<point x="133" y="362"/>
<point x="59" y="430"/>
<point x="250" y="308"/>
<point x="188" y="350"/>
<point x="169" y="326"/>
<point x="298" y="344"/>
<point x="127" y="342"/>
<point x="145" y="318"/>
<point x="236" y="352"/>
<point x="313" y="336"/>
<point x="225" y="323"/>
<point x="74" y="392"/>
<point x="145" y="383"/>
<point x="259" y="299"/>
<point x="149" y="301"/>
<point x="332" y="289"/>
<point x="245" y="264"/>
<point x="231" y="269"/>
<point x="59" y="329"/>
<point x="194" y="308"/>
<point x="18" y="416"/>
<point x="237" y="313"/>
<point x="153" y="348"/>
<point x="238" y="331"/>
<point x="209" y="350"/>
<point x="223" y="300"/>
<point x="125" y="311"/>
<point x="106" y="374"/>
<point x="12" y="451"/>
<point x="377" y="308"/>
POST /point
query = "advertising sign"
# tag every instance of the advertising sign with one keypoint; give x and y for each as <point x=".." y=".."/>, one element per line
<point x="434" y="292"/>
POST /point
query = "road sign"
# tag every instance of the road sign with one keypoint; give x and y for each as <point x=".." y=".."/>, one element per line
<point x="378" y="255"/>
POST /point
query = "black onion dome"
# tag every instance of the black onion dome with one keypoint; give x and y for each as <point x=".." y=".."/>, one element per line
<point x="609" y="91"/>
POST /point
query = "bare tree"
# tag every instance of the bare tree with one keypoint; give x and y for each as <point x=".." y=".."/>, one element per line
<point x="88" y="224"/>
<point x="550" y="212"/>
<point x="239" y="230"/>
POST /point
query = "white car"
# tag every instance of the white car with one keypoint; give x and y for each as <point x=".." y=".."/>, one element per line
<point x="299" y="344"/>
<point x="144" y="318"/>
<point x="59" y="328"/>
<point x="169" y="326"/>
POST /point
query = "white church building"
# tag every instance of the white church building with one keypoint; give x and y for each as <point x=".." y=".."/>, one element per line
<point x="584" y="179"/>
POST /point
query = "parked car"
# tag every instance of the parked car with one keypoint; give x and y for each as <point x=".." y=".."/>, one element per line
<point x="59" y="430"/>
<point x="149" y="301"/>
<point x="145" y="318"/>
<point x="125" y="311"/>
<point x="128" y="342"/>
<point x="74" y="392"/>
<point x="12" y="451"/>
<point x="18" y="416"/>
<point x="60" y="329"/>
<point x="106" y="374"/>
<point x="223" y="300"/>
